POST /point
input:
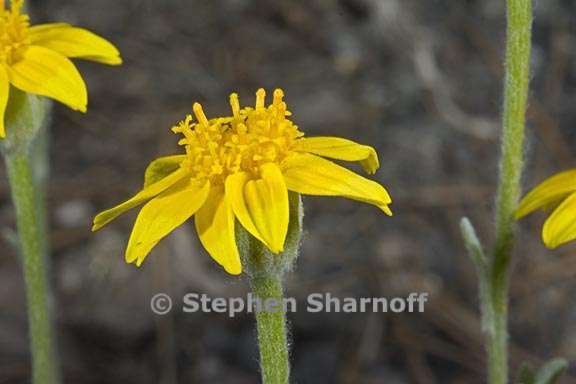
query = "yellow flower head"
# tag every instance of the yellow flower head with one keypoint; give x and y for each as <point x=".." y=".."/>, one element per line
<point x="241" y="168"/>
<point x="34" y="59"/>
<point x="558" y="194"/>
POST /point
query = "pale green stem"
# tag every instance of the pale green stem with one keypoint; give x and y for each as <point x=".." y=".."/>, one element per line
<point x="25" y="154"/>
<point x="519" y="16"/>
<point x="30" y="223"/>
<point x="266" y="272"/>
<point x="272" y="336"/>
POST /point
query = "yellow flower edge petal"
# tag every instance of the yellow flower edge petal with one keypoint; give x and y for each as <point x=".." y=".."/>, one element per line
<point x="48" y="73"/>
<point x="267" y="203"/>
<point x="312" y="175"/>
<point x="234" y="190"/>
<point x="75" y="43"/>
<point x="340" y="149"/>
<point x="215" y="226"/>
<point x="560" y="227"/>
<point x="46" y="27"/>
<point x="161" y="168"/>
<point x="4" y="95"/>
<point x="548" y="193"/>
<point x="261" y="206"/>
<point x="161" y="215"/>
<point x="151" y="191"/>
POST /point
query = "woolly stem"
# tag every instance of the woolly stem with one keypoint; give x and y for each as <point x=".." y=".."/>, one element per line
<point x="31" y="233"/>
<point x="519" y="16"/>
<point x="271" y="325"/>
<point x="266" y="272"/>
<point x="25" y="151"/>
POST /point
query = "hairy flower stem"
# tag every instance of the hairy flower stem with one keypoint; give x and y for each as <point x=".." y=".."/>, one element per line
<point x="272" y="336"/>
<point x="519" y="16"/>
<point x="30" y="230"/>
<point x="266" y="273"/>
<point x="25" y="154"/>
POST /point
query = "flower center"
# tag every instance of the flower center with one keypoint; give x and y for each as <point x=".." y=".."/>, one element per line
<point x="13" y="32"/>
<point x="220" y="147"/>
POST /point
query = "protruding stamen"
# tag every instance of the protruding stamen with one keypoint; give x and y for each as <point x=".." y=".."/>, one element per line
<point x="16" y="6"/>
<point x="183" y="125"/>
<point x="235" y="104"/>
<point x="260" y="98"/>
<point x="200" y="116"/>
<point x="221" y="147"/>
<point x="278" y="96"/>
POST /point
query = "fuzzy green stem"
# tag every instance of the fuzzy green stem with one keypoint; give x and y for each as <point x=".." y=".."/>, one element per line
<point x="272" y="336"/>
<point x="25" y="153"/>
<point x="31" y="232"/>
<point x="266" y="272"/>
<point x="519" y="16"/>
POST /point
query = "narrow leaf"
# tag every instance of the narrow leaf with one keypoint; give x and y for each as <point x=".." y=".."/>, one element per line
<point x="551" y="371"/>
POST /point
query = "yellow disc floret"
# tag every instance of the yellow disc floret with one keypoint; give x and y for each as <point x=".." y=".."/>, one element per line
<point x="251" y="137"/>
<point x="14" y="38"/>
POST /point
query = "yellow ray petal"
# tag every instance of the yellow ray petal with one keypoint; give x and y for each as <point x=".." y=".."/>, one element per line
<point x="234" y="190"/>
<point x="47" y="27"/>
<point x="262" y="207"/>
<point x="215" y="227"/>
<point x="48" y="73"/>
<point x="561" y="225"/>
<point x="107" y="216"/>
<point x="267" y="202"/>
<point x="75" y="42"/>
<point x="312" y="175"/>
<point x="548" y="193"/>
<point x="4" y="95"/>
<point x="162" y="215"/>
<point x="162" y="167"/>
<point x="340" y="149"/>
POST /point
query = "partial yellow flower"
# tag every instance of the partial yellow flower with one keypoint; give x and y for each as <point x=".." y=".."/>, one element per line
<point x="558" y="193"/>
<point x="34" y="59"/>
<point x="241" y="168"/>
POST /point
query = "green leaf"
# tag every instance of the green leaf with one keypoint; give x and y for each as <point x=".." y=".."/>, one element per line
<point x="476" y="253"/>
<point x="526" y="374"/>
<point x="472" y="242"/>
<point x="162" y="167"/>
<point x="551" y="371"/>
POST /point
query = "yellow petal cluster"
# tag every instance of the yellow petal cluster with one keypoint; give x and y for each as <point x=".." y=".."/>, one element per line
<point x="35" y="59"/>
<point x="556" y="194"/>
<point x="240" y="168"/>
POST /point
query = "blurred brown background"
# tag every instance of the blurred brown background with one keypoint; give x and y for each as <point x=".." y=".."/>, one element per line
<point x="419" y="80"/>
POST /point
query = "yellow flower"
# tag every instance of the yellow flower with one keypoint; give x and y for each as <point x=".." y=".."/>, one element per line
<point x="558" y="194"/>
<point x="242" y="167"/>
<point x="34" y="59"/>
